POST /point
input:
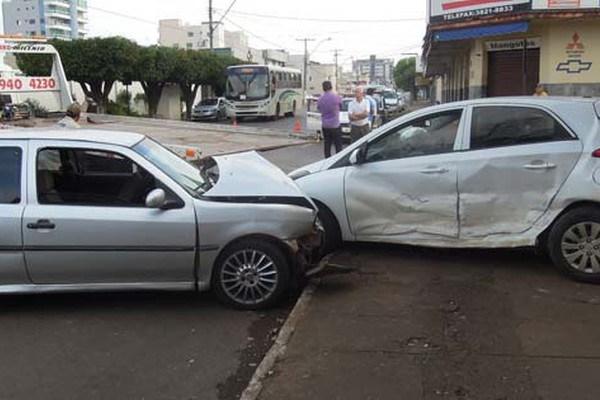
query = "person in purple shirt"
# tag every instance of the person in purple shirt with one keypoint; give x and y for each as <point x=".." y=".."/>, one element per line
<point x="330" y="105"/>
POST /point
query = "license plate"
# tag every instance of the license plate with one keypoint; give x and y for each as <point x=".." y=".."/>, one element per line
<point x="346" y="130"/>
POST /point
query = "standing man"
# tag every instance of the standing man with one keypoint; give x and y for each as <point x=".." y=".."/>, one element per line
<point x="358" y="113"/>
<point x="330" y="104"/>
<point x="373" y="114"/>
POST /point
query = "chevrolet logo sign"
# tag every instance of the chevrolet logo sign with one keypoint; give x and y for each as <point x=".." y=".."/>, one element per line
<point x="574" y="66"/>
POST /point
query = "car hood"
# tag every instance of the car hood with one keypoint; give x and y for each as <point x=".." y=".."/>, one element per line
<point x="248" y="177"/>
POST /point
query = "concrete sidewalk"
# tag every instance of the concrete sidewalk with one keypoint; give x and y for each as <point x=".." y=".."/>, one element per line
<point x="429" y="324"/>
<point x="209" y="139"/>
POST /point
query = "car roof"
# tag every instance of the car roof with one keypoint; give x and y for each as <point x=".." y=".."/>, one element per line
<point x="127" y="139"/>
<point x="551" y="101"/>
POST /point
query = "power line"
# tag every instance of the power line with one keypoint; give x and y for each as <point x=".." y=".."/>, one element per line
<point x="253" y="35"/>
<point x="350" y="21"/>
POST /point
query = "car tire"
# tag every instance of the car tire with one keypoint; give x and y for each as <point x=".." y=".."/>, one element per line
<point x="251" y="274"/>
<point x="332" y="236"/>
<point x="574" y="244"/>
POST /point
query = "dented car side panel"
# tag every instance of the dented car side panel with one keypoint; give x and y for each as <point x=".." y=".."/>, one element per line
<point x="404" y="196"/>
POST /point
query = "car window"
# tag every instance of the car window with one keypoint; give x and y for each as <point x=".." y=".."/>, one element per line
<point x="67" y="176"/>
<point x="10" y="175"/>
<point x="510" y="126"/>
<point x="433" y="134"/>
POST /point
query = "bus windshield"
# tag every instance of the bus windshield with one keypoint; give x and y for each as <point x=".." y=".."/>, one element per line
<point x="247" y="83"/>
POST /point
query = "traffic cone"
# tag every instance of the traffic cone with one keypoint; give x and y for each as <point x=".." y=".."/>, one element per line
<point x="297" y="127"/>
<point x="235" y="123"/>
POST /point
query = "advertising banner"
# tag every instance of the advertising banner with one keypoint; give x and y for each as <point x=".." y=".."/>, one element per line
<point x="456" y="10"/>
<point x="564" y="4"/>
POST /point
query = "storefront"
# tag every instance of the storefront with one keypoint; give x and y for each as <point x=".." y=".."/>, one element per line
<point x="485" y="48"/>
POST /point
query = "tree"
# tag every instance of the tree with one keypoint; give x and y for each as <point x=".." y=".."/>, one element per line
<point x="155" y="67"/>
<point x="405" y="75"/>
<point x="196" y="68"/>
<point x="96" y="64"/>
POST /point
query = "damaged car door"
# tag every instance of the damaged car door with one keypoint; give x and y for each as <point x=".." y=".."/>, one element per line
<point x="518" y="158"/>
<point x="402" y="185"/>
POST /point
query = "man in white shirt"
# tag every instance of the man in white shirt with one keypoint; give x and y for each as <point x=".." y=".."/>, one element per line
<point x="358" y="113"/>
<point x="70" y="121"/>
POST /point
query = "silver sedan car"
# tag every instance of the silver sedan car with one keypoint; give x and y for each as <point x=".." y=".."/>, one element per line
<point x="90" y="210"/>
<point x="488" y="173"/>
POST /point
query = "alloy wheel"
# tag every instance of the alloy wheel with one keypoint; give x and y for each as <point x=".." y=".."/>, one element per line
<point x="249" y="276"/>
<point x="580" y="247"/>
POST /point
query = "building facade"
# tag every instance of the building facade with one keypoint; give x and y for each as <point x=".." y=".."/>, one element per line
<point x="506" y="48"/>
<point x="175" y="33"/>
<point x="62" y="19"/>
<point x="315" y="75"/>
<point x="375" y="70"/>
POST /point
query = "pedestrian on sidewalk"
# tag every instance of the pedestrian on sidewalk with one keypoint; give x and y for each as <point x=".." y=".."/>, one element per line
<point x="540" y="91"/>
<point x="70" y="121"/>
<point x="330" y="104"/>
<point x="373" y="114"/>
<point x="358" y="113"/>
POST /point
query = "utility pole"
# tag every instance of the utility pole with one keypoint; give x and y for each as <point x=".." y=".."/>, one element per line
<point x="336" y="54"/>
<point x="211" y="28"/>
<point x="305" y="40"/>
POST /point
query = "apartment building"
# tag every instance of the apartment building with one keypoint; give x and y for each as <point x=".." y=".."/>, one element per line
<point x="377" y="71"/>
<point x="62" y="19"/>
<point x="175" y="33"/>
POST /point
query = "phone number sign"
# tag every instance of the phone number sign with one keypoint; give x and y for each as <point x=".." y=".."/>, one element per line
<point x="27" y="84"/>
<point x="456" y="10"/>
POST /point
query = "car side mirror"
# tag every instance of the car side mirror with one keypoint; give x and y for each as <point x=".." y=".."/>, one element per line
<point x="156" y="199"/>
<point x="358" y="155"/>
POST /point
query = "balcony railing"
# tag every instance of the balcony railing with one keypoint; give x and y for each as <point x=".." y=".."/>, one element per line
<point x="58" y="3"/>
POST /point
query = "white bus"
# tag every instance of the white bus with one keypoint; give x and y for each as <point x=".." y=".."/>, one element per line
<point x="262" y="91"/>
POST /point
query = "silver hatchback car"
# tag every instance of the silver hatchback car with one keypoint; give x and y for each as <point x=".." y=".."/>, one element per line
<point x="90" y="210"/>
<point x="489" y="173"/>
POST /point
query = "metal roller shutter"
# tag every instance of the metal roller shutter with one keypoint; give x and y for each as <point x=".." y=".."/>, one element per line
<point x="506" y="75"/>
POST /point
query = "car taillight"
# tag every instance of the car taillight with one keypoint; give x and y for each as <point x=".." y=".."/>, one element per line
<point x="596" y="153"/>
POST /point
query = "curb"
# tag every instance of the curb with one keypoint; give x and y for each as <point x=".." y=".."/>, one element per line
<point x="278" y="349"/>
<point x="102" y="119"/>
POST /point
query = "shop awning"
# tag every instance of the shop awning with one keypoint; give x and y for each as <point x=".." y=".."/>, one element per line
<point x="480" y="31"/>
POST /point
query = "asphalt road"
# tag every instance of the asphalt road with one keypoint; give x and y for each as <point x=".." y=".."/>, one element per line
<point x="284" y="124"/>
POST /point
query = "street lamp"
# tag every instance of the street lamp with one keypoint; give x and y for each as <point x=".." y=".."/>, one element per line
<point x="307" y="55"/>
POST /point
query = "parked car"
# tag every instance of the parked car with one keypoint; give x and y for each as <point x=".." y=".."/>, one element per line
<point x="489" y="173"/>
<point x="90" y="210"/>
<point x="212" y="109"/>
<point x="313" y="117"/>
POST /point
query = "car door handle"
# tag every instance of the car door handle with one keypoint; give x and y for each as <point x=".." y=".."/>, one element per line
<point x="434" y="170"/>
<point x="539" y="166"/>
<point x="41" y="224"/>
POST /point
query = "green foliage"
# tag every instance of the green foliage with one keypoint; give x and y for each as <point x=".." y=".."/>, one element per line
<point x="140" y="97"/>
<point x="122" y="106"/>
<point x="124" y="97"/>
<point x="404" y="74"/>
<point x="37" y="108"/>
<point x="97" y="63"/>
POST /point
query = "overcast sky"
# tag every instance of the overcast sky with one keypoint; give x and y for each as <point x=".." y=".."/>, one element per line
<point x="381" y="27"/>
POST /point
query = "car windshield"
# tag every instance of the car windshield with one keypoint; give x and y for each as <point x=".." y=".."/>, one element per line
<point x="182" y="172"/>
<point x="247" y="84"/>
<point x="209" y="102"/>
<point x="346" y="104"/>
